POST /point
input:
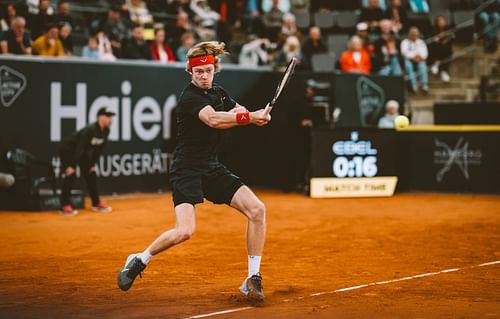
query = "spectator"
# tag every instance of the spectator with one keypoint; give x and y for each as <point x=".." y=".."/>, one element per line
<point x="135" y="47"/>
<point x="105" y="48"/>
<point x="322" y="6"/>
<point x="182" y="25"/>
<point x="372" y="14"/>
<point x="160" y="51"/>
<point x="176" y="6"/>
<point x="208" y="17"/>
<point x="187" y="41"/>
<point x="356" y="59"/>
<point x="38" y="23"/>
<point x="91" y="50"/>
<point x="65" y="37"/>
<point x="362" y="32"/>
<point x="313" y="45"/>
<point x="34" y="7"/>
<point x="16" y="40"/>
<point x="115" y="28"/>
<point x="397" y="14"/>
<point x="139" y="12"/>
<point x="254" y="52"/>
<point x="489" y="19"/>
<point x="8" y="14"/>
<point x="391" y="112"/>
<point x="440" y="50"/>
<point x="283" y="5"/>
<point x="63" y="13"/>
<point x="300" y="5"/>
<point x="290" y="49"/>
<point x="288" y="28"/>
<point x="49" y="44"/>
<point x="387" y="56"/>
<point x="414" y="51"/>
<point x="272" y="21"/>
<point x="419" y="6"/>
<point x="381" y="4"/>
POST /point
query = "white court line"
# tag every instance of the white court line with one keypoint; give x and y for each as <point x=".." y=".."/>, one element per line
<point x="220" y="312"/>
<point x="354" y="288"/>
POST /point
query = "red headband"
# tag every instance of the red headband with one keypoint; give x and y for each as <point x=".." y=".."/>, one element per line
<point x="201" y="60"/>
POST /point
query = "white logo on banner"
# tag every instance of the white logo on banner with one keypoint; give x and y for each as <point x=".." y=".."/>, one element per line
<point x="146" y="118"/>
<point x="12" y="84"/>
<point x="459" y="155"/>
<point x="354" y="158"/>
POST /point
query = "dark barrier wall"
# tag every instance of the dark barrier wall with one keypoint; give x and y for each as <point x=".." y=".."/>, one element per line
<point x="43" y="100"/>
<point x="453" y="161"/>
<point x="467" y="113"/>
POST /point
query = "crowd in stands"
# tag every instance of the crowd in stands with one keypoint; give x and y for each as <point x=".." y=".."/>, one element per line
<point x="382" y="40"/>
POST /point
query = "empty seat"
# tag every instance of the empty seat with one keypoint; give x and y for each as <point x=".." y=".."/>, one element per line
<point x="337" y="43"/>
<point x="324" y="20"/>
<point x="302" y="19"/>
<point x="347" y="19"/>
<point x="323" y="62"/>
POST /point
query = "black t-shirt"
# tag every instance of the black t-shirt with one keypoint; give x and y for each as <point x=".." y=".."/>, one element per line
<point x="197" y="142"/>
<point x="84" y="146"/>
<point x="12" y="44"/>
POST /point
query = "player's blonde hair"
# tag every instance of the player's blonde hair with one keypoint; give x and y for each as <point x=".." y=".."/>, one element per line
<point x="207" y="48"/>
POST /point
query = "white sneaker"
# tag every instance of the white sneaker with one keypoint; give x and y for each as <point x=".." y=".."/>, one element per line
<point x="445" y="77"/>
<point x="435" y="68"/>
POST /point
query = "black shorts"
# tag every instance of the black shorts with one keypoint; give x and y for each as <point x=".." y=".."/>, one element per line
<point x="218" y="185"/>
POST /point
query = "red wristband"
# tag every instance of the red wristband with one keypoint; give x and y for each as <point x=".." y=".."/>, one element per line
<point x="243" y="118"/>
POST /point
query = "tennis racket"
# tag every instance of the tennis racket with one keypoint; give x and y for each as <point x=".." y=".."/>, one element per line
<point x="281" y="86"/>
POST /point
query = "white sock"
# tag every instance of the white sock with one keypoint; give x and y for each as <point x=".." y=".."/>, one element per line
<point x="253" y="265"/>
<point x="145" y="256"/>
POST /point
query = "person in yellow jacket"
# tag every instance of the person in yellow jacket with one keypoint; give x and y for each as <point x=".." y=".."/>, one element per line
<point x="49" y="44"/>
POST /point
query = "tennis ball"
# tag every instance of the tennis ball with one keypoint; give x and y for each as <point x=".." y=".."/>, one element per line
<point x="401" y="121"/>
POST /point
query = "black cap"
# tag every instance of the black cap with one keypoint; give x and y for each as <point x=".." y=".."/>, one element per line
<point x="105" y="111"/>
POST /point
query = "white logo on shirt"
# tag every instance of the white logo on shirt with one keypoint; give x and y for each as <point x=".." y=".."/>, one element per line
<point x="96" y="141"/>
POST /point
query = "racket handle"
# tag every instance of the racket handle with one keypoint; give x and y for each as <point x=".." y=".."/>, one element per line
<point x="268" y="109"/>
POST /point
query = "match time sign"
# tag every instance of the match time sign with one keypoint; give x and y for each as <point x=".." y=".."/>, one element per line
<point x="328" y="187"/>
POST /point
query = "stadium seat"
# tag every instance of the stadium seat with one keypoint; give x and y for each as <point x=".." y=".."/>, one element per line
<point x="347" y="20"/>
<point x="337" y="43"/>
<point x="323" y="62"/>
<point x="324" y="20"/>
<point x="302" y="19"/>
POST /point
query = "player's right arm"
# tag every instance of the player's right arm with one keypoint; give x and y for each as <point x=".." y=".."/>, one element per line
<point x="224" y="120"/>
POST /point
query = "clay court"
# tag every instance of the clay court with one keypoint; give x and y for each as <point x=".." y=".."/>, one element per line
<point x="419" y="255"/>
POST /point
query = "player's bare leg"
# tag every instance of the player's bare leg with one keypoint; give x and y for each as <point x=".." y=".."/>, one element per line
<point x="184" y="230"/>
<point x="249" y="205"/>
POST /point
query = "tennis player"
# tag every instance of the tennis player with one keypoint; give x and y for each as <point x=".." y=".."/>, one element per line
<point x="204" y="110"/>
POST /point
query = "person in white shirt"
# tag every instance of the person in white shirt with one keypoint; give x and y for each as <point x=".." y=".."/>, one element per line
<point x="414" y="51"/>
<point x="253" y="53"/>
<point x="391" y="112"/>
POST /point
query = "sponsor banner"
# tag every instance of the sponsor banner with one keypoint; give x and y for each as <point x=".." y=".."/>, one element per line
<point x="42" y="100"/>
<point x="453" y="161"/>
<point x="328" y="187"/>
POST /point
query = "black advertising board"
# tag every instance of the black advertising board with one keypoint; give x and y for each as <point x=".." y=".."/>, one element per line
<point x="345" y="153"/>
<point x="461" y="161"/>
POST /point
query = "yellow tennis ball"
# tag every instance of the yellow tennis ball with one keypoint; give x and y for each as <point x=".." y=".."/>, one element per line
<point x="401" y="121"/>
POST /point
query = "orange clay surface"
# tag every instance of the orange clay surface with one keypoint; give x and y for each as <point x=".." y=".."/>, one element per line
<point x="53" y="266"/>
